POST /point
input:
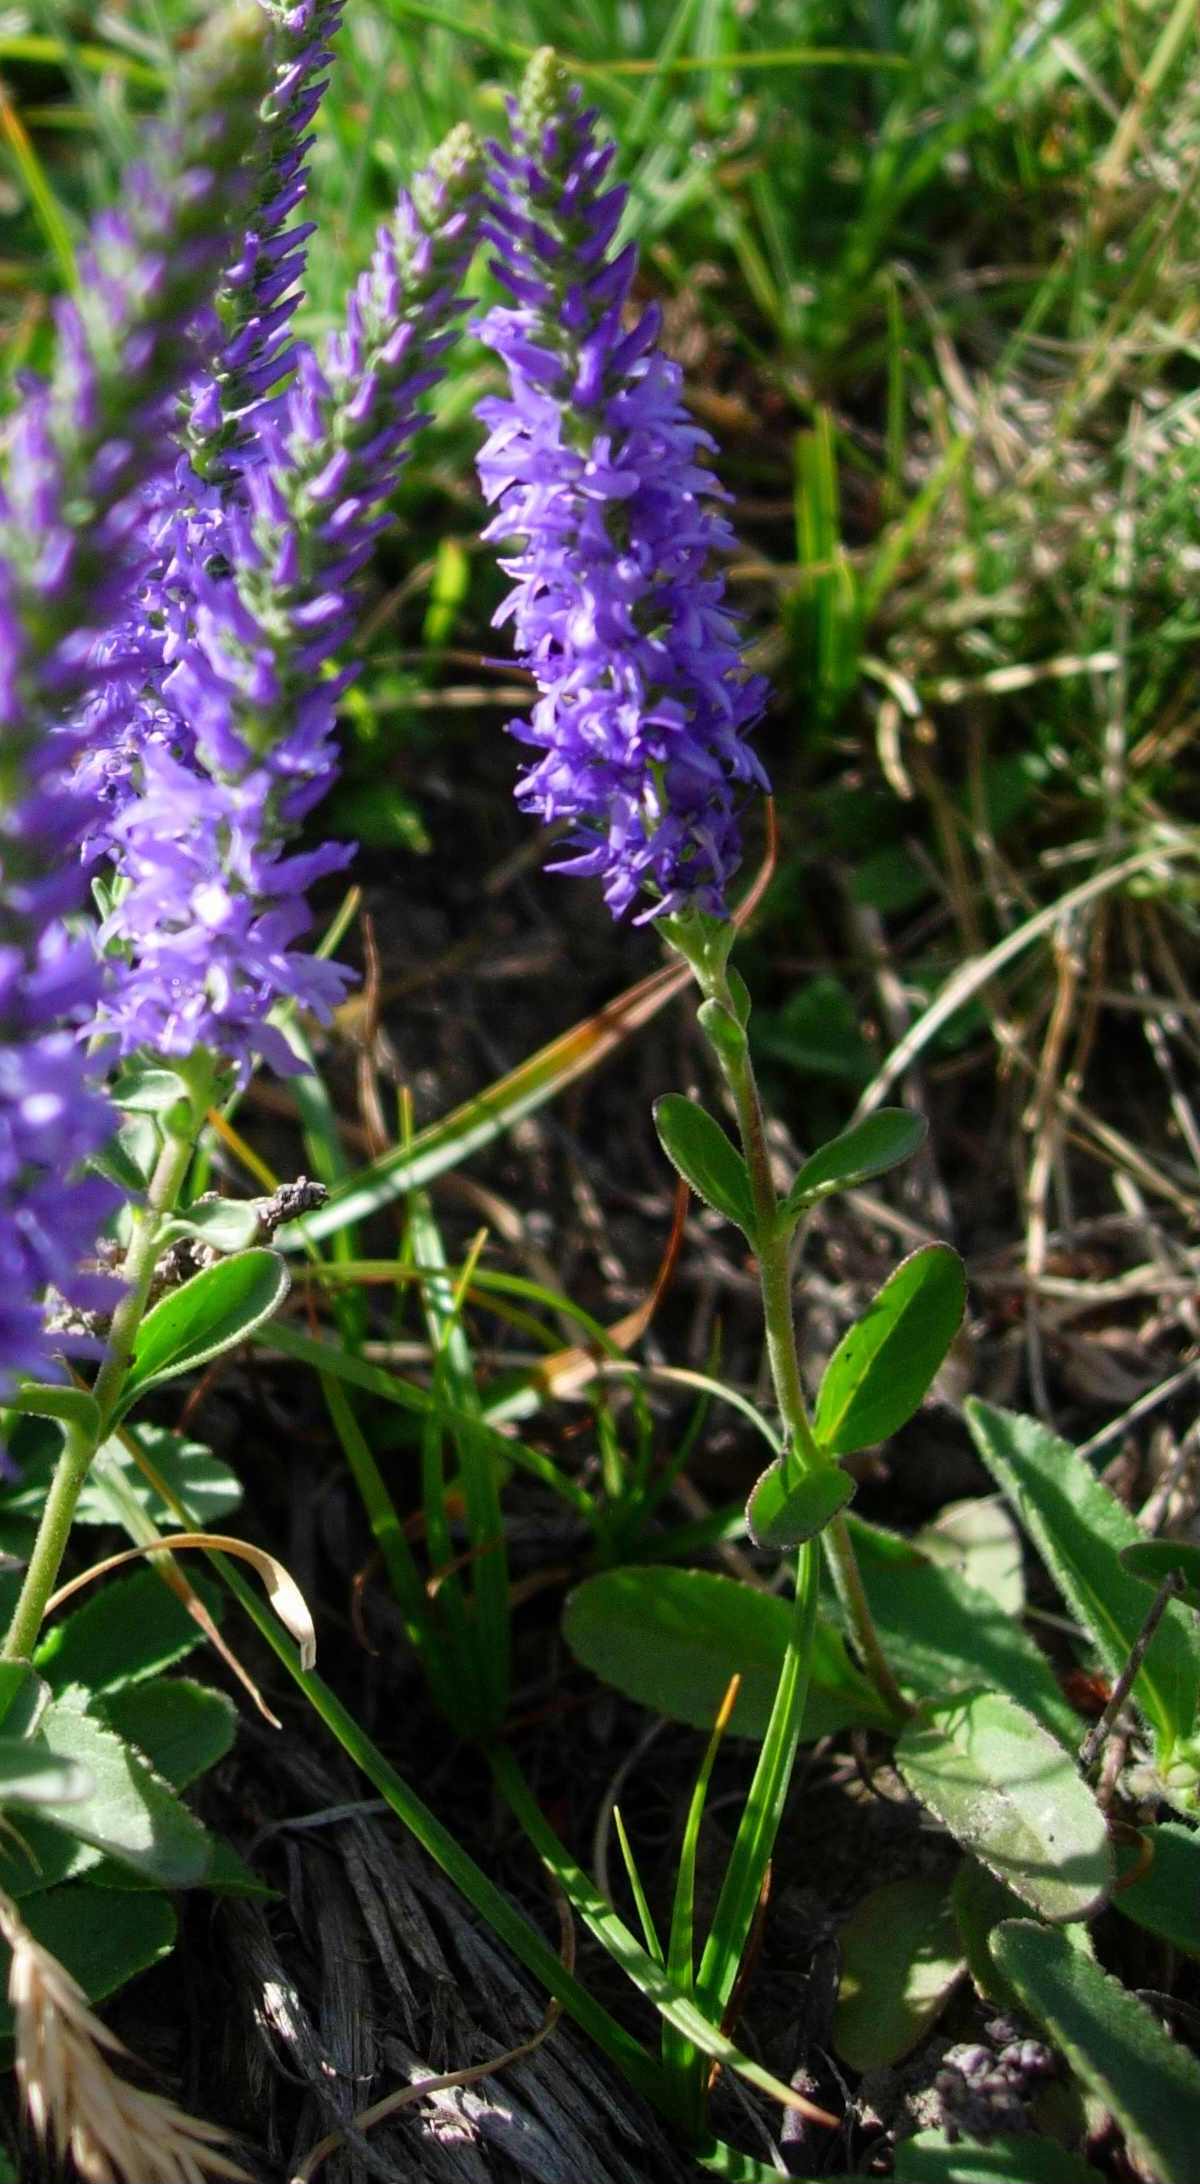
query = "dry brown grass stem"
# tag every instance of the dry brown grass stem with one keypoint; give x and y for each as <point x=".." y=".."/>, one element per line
<point x="78" y="2104"/>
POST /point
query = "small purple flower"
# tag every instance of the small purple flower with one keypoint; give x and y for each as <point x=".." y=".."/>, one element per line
<point x="210" y="897"/>
<point x="71" y="509"/>
<point x="593" y="463"/>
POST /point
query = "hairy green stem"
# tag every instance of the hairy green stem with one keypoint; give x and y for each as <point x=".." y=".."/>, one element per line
<point x="847" y="1577"/>
<point x="80" y="1443"/>
<point x="773" y="1247"/>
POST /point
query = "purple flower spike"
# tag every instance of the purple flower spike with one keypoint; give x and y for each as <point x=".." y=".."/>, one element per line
<point x="593" y="463"/>
<point x="70" y="508"/>
<point x="260" y="288"/>
<point x="211" y="899"/>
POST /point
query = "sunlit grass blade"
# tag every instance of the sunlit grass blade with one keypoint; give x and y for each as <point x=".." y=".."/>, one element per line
<point x="640" y="1898"/>
<point x="358" y="1372"/>
<point x="638" y="1965"/>
<point x="679" y="2056"/>
<point x="478" y="1478"/>
<point x="741" y="1890"/>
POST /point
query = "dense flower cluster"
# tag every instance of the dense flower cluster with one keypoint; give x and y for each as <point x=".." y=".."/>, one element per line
<point x="70" y="549"/>
<point x="237" y="740"/>
<point x="260" y="288"/>
<point x="247" y="353"/>
<point x="644" y="703"/>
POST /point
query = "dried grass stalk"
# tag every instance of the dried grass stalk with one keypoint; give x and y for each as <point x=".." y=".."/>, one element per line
<point x="78" y="2103"/>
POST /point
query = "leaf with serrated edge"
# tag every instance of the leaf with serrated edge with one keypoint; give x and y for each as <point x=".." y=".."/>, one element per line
<point x="130" y="1812"/>
<point x="181" y="1727"/>
<point x="1115" y="2045"/>
<point x="1009" y="1794"/>
<point x="1079" y="1529"/>
<point x="134" y="1628"/>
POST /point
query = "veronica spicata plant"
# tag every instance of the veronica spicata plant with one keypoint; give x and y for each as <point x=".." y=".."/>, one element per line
<point x="645" y="702"/>
<point x="213" y="734"/>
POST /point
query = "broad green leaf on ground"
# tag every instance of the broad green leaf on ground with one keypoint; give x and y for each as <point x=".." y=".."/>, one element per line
<point x="1115" y="2045"/>
<point x="1165" y="1897"/>
<point x="181" y="1727"/>
<point x="1012" y="1797"/>
<point x="203" y="1482"/>
<point x="103" y="1941"/>
<point x="885" y="1365"/>
<point x="932" y="2158"/>
<point x="215" y="1311"/>
<point x="1079" y="1528"/>
<point x="978" y="1540"/>
<point x="132" y="1628"/>
<point x="710" y="1164"/>
<point x="901" y="1960"/>
<point x="877" y="1143"/>
<point x="941" y="1636"/>
<point x="130" y="1813"/>
<point x="671" y="1639"/>
<point x="784" y="1510"/>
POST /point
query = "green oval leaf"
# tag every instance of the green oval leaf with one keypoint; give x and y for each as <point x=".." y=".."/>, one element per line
<point x="128" y="1812"/>
<point x="213" y="1312"/>
<point x="1154" y="1559"/>
<point x="1009" y="1793"/>
<point x="1115" y="2045"/>
<point x="1080" y="1528"/>
<point x="707" y="1160"/>
<point x="671" y="1639"/>
<point x="784" y="1511"/>
<point x="885" y="1364"/>
<point x="132" y="1629"/>
<point x="881" y="1141"/>
<point x="901" y="1960"/>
